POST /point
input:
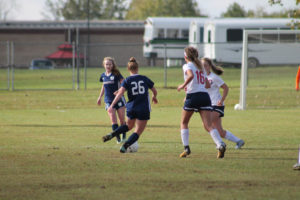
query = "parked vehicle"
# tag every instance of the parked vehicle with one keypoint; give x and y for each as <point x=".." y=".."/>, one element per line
<point x="166" y="36"/>
<point x="223" y="41"/>
<point x="41" y="64"/>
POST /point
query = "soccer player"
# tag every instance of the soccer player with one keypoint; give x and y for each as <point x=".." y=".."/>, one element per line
<point x="217" y="100"/>
<point x="138" y="105"/>
<point x="112" y="80"/>
<point x="197" y="100"/>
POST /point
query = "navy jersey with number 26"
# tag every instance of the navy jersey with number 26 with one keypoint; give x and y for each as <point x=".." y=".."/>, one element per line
<point x="137" y="90"/>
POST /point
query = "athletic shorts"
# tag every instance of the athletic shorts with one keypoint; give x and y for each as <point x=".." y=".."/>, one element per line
<point x="197" y="101"/>
<point x="219" y="109"/>
<point x="138" y="114"/>
<point x="120" y="104"/>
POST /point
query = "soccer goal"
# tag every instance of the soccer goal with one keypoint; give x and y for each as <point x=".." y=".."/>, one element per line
<point x="267" y="47"/>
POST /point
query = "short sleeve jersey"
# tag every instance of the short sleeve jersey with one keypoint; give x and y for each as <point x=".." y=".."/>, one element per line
<point x="111" y="84"/>
<point x="214" y="91"/>
<point x="137" y="90"/>
<point x="198" y="82"/>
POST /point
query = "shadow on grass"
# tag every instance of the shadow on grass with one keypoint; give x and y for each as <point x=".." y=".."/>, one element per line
<point x="78" y="125"/>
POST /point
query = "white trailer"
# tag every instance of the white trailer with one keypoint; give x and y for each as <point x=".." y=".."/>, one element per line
<point x="196" y="36"/>
<point x="166" y="37"/>
<point x="223" y="41"/>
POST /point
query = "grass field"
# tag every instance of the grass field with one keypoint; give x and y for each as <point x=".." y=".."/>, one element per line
<point x="50" y="142"/>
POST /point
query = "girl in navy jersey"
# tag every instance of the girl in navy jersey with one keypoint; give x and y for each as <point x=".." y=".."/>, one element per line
<point x="112" y="80"/>
<point x="138" y="105"/>
<point x="197" y="100"/>
<point x="217" y="99"/>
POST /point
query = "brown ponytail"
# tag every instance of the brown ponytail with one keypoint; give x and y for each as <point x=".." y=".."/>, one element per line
<point x="191" y="54"/>
<point x="216" y="69"/>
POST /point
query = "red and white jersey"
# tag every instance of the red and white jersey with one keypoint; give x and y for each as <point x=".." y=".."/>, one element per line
<point x="198" y="82"/>
<point x="214" y="91"/>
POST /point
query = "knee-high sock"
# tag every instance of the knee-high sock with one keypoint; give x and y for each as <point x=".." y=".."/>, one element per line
<point x="132" y="139"/>
<point x="229" y="136"/>
<point x="216" y="137"/>
<point x="185" y="137"/>
<point x="120" y="129"/>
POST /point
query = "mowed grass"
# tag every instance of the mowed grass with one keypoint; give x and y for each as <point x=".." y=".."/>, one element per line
<point x="51" y="148"/>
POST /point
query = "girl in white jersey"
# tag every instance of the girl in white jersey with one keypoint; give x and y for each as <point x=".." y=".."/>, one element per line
<point x="197" y="100"/>
<point x="217" y="100"/>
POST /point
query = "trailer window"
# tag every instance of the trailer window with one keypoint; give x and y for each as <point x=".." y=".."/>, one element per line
<point x="172" y="33"/>
<point x="185" y="33"/>
<point x="234" y="35"/>
<point x="287" y="38"/>
<point x="209" y="36"/>
<point x="269" y="38"/>
<point x="160" y="33"/>
<point x="201" y="34"/>
<point x="254" y="38"/>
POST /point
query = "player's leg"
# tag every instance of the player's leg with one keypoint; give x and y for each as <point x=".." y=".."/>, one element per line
<point x="121" y="115"/>
<point x="207" y="121"/>
<point x="121" y="129"/>
<point x="113" y="118"/>
<point x="140" y="126"/>
<point x="216" y="123"/>
<point x="184" y="131"/>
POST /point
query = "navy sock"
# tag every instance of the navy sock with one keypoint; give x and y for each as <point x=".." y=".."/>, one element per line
<point x="119" y="130"/>
<point x="132" y="139"/>
<point x="114" y="127"/>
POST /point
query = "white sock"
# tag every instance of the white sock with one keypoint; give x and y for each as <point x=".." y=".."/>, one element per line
<point x="185" y="137"/>
<point x="229" y="136"/>
<point x="216" y="137"/>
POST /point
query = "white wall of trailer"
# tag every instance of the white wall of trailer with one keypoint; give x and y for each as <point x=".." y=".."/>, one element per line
<point x="196" y="35"/>
<point x="223" y="41"/>
<point x="166" y="36"/>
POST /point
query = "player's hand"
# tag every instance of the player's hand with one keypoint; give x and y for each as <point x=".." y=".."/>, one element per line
<point x="110" y="109"/>
<point x="220" y="103"/>
<point x="154" y="100"/>
<point x="99" y="101"/>
<point x="180" y="87"/>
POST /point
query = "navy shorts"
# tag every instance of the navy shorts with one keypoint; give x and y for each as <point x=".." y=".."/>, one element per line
<point x="120" y="104"/>
<point x="197" y="101"/>
<point x="219" y="109"/>
<point x="138" y="114"/>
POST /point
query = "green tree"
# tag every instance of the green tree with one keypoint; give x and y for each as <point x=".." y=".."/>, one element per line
<point x="141" y="9"/>
<point x="79" y="9"/>
<point x="235" y="10"/>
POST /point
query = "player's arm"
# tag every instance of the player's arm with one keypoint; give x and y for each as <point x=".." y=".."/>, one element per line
<point x="189" y="78"/>
<point x="207" y="83"/>
<point x="117" y="98"/>
<point x="100" y="95"/>
<point x="154" y="91"/>
<point x="225" y="93"/>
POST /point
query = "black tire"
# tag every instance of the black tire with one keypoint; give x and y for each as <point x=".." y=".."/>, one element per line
<point x="252" y="62"/>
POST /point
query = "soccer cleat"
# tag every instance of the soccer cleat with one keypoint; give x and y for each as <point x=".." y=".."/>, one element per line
<point x="185" y="153"/>
<point x="122" y="149"/>
<point x="239" y="144"/>
<point x="106" y="138"/>
<point x="221" y="151"/>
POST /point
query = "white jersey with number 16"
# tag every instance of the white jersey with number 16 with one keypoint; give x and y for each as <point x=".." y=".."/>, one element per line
<point x="198" y="82"/>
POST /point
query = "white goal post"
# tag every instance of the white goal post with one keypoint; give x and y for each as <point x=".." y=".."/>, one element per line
<point x="285" y="35"/>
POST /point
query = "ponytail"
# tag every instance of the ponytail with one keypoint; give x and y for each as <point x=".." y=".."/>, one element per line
<point x="191" y="54"/>
<point x="216" y="69"/>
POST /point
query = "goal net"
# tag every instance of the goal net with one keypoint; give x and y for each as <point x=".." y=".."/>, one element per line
<point x="268" y="49"/>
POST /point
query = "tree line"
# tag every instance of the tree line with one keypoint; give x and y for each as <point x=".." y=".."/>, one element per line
<point x="141" y="9"/>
